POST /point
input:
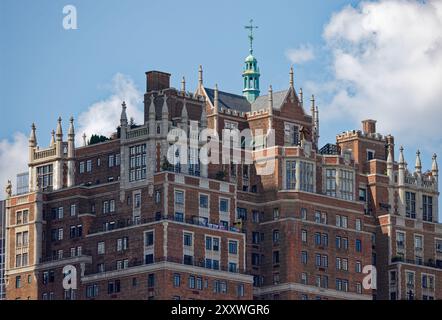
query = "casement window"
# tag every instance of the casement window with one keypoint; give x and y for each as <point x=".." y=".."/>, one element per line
<point x="290" y="175"/>
<point x="92" y="291"/>
<point x="148" y="238"/>
<point x="122" y="244"/>
<point x="187" y="239"/>
<point x="101" y="249"/>
<point x="358" y="225"/>
<point x="112" y="206"/>
<point x="25" y="216"/>
<point x="303" y="214"/>
<point x="224" y="205"/>
<point x="275" y="236"/>
<point x="306" y="176"/>
<point x="304" y="236"/>
<point x="45" y="176"/>
<point x="275" y="258"/>
<point x="291" y="134"/>
<point x="111" y="160"/>
<point x="88" y="165"/>
<point x="418" y="243"/>
<point x="233" y="247"/>
<point x="341" y="221"/>
<point x="358" y="245"/>
<point x="60" y="213"/>
<point x="137" y="163"/>
<point x="304" y="257"/>
<point x="82" y="167"/>
<point x="204" y="201"/>
<point x="176" y="280"/>
<point x="427" y="208"/>
<point x="347" y="184"/>
<point x="358" y="267"/>
<point x="179" y="197"/>
<point x="73" y="210"/>
<point x="330" y="182"/>
<point x="275" y="213"/>
<point x="410" y="205"/>
<point x="400" y="240"/>
<point x="117" y="159"/>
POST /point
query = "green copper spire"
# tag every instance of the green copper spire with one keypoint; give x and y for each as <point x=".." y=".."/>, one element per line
<point x="251" y="70"/>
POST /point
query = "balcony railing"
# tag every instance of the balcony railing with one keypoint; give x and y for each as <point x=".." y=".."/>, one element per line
<point x="429" y="263"/>
<point x="84" y="253"/>
<point x="195" y="220"/>
<point x="137" y="263"/>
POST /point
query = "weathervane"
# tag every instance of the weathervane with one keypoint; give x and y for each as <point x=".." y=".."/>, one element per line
<point x="251" y="27"/>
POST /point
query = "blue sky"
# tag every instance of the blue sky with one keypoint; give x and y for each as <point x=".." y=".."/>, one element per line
<point x="46" y="71"/>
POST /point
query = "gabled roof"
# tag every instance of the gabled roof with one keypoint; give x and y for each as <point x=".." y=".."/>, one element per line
<point x="229" y="100"/>
<point x="262" y="102"/>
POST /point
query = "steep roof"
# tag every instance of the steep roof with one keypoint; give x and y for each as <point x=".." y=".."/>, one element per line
<point x="229" y="100"/>
<point x="262" y="102"/>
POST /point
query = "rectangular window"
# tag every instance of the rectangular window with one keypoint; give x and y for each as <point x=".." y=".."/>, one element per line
<point x="303" y="214"/>
<point x="25" y="216"/>
<point x="89" y="165"/>
<point x="111" y="160"/>
<point x="82" y="167"/>
<point x="187" y="239"/>
<point x="347" y="183"/>
<point x="438" y="245"/>
<point x="151" y="280"/>
<point x="304" y="236"/>
<point x="176" y="280"/>
<point x="358" y="245"/>
<point x="306" y="176"/>
<point x="148" y="238"/>
<point x="275" y="236"/>
<point x="60" y="213"/>
<point x="330" y="182"/>
<point x="224" y="205"/>
<point x="410" y="205"/>
<point x="291" y="134"/>
<point x="400" y="240"/>
<point x="358" y="225"/>
<point x="427" y="208"/>
<point x="179" y="197"/>
<point x="137" y="163"/>
<point x="304" y="257"/>
<point x="233" y="247"/>
<point x="290" y="175"/>
<point x="418" y="243"/>
<point x="204" y="201"/>
<point x="275" y="257"/>
<point x="275" y="213"/>
<point x="73" y="210"/>
<point x="100" y="248"/>
<point x="45" y="176"/>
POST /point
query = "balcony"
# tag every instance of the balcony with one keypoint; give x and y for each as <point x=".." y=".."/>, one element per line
<point x="137" y="263"/>
<point x="195" y="220"/>
<point x="429" y="263"/>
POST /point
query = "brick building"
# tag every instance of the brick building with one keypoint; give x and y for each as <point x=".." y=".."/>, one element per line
<point x="2" y="249"/>
<point x="136" y="225"/>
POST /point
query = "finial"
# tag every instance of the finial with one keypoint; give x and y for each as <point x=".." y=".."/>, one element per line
<point x="184" y="115"/>
<point x="71" y="127"/>
<point x="434" y="166"/>
<point x="165" y="109"/>
<point x="251" y="27"/>
<point x="84" y="140"/>
<point x="270" y="97"/>
<point x="152" y="107"/>
<point x="8" y="189"/>
<point x="52" y="138"/>
<point x="183" y="85"/>
<point x="291" y="77"/>
<point x="301" y="97"/>
<point x="389" y="155"/>
<point x="59" y="131"/>
<point x="401" y="155"/>
<point x="312" y="100"/>
<point x="215" y="98"/>
<point x="123" y="117"/>
<point x="200" y="75"/>
<point x="32" y="136"/>
<point x="418" y="163"/>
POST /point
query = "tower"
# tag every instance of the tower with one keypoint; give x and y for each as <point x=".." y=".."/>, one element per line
<point x="251" y="71"/>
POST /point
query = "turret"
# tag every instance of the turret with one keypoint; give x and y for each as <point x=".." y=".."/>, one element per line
<point x="215" y="111"/>
<point x="390" y="162"/>
<point x="71" y="154"/>
<point x="401" y="173"/>
<point x="270" y="102"/>
<point x="123" y="120"/>
<point x="151" y="124"/>
<point x="59" y="139"/>
<point x="418" y="163"/>
<point x="32" y="142"/>
<point x="52" y="143"/>
<point x="434" y="168"/>
<point x="184" y="116"/>
<point x="165" y="117"/>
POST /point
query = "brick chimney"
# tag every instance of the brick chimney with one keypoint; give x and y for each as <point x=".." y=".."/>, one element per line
<point x="369" y="126"/>
<point x="157" y="80"/>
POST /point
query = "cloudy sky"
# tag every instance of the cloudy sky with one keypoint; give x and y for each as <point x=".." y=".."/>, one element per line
<point x="362" y="59"/>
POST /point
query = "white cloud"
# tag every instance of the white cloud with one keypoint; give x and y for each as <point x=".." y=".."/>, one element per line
<point x="103" y="117"/>
<point x="301" y="55"/>
<point x="387" y="65"/>
<point x="13" y="159"/>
